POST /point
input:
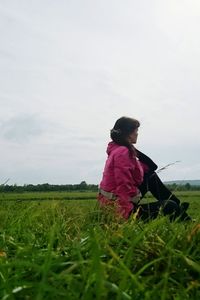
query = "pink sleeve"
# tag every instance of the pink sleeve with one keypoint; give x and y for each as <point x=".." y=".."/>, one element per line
<point x="124" y="180"/>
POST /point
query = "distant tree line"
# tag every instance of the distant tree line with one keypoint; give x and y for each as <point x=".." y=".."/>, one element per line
<point x="81" y="187"/>
<point x="46" y="187"/>
<point x="183" y="187"/>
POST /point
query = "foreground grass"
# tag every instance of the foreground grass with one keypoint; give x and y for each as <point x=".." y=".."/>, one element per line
<point x="68" y="250"/>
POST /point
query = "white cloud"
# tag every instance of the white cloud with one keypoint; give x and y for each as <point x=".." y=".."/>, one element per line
<point x="21" y="128"/>
<point x="69" y="69"/>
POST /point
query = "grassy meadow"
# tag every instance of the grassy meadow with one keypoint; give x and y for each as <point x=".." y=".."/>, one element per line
<point x="62" y="246"/>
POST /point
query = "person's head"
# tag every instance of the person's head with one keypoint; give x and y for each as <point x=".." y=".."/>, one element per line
<point x="125" y="131"/>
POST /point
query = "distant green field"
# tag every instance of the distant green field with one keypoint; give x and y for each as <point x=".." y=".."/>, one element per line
<point x="192" y="196"/>
<point x="48" y="196"/>
<point x="73" y="195"/>
<point x="62" y="246"/>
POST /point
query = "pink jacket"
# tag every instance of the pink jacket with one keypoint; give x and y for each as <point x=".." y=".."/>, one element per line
<point x="122" y="175"/>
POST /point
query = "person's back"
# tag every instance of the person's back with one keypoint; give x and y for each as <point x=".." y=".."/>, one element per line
<point x="120" y="169"/>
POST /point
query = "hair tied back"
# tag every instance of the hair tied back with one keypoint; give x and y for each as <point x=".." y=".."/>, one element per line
<point x="116" y="131"/>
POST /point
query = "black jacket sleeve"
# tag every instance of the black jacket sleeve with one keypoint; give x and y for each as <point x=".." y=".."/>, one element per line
<point x="147" y="160"/>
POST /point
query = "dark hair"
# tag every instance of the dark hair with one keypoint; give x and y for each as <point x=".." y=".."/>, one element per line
<point x="122" y="129"/>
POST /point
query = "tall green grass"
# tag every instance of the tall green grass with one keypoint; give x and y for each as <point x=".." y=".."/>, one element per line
<point x="62" y="249"/>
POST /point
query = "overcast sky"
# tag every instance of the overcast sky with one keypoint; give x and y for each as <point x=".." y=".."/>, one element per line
<point x="70" y="68"/>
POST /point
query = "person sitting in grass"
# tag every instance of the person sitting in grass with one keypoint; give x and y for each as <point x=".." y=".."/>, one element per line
<point x="129" y="174"/>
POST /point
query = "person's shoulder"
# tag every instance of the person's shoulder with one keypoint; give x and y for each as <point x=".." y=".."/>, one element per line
<point x="121" y="150"/>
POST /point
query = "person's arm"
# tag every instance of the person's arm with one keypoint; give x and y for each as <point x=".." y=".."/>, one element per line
<point x="146" y="160"/>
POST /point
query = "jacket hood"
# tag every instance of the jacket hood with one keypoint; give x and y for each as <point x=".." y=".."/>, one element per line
<point x="111" y="147"/>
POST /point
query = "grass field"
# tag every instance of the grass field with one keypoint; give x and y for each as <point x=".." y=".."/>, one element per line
<point x="52" y="247"/>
